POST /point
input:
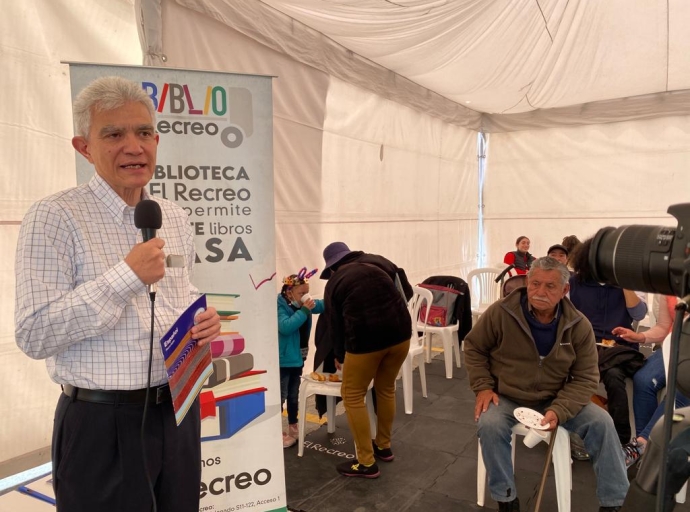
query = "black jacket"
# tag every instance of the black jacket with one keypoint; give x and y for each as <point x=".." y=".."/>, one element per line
<point x="463" y="303"/>
<point x="365" y="310"/>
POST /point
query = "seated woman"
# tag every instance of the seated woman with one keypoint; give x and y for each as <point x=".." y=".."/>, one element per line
<point x="572" y="244"/>
<point x="520" y="257"/>
<point x="607" y="308"/>
<point x="649" y="380"/>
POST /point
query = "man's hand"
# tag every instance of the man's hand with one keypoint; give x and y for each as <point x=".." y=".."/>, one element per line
<point x="551" y="419"/>
<point x="338" y="365"/>
<point x="147" y="260"/>
<point x="484" y="398"/>
<point x="207" y="326"/>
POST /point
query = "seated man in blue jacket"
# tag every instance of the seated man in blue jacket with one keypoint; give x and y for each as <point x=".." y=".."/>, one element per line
<point x="534" y="349"/>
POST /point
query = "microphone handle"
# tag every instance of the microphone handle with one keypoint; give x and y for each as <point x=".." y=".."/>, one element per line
<point x="147" y="234"/>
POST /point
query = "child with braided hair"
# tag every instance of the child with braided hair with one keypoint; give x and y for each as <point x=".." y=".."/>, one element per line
<point x="295" y="310"/>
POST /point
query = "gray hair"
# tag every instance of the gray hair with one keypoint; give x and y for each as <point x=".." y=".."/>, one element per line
<point x="107" y="93"/>
<point x="549" y="263"/>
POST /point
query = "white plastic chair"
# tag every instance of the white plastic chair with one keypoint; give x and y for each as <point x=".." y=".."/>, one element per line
<point x="310" y="387"/>
<point x="451" y="345"/>
<point x="484" y="289"/>
<point x="416" y="345"/>
<point x="561" y="466"/>
<point x="666" y="354"/>
<point x="448" y="334"/>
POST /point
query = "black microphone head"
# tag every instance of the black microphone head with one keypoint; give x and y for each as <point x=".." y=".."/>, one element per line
<point x="148" y="215"/>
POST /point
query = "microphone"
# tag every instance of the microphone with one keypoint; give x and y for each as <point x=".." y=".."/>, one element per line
<point x="505" y="271"/>
<point x="148" y="217"/>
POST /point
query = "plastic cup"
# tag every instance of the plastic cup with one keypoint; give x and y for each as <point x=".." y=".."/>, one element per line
<point x="534" y="437"/>
<point x="306" y="297"/>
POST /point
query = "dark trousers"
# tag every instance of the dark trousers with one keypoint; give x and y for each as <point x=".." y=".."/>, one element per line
<point x="617" y="401"/>
<point x="289" y="391"/>
<point x="98" y="463"/>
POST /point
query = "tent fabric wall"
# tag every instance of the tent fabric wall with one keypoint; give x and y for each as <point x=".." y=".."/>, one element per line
<point x="547" y="184"/>
<point x="361" y="154"/>
<point x="37" y="159"/>
<point x="399" y="183"/>
<point x="349" y="165"/>
<point x="346" y="159"/>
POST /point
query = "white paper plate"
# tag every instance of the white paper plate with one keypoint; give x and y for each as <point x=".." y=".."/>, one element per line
<point x="530" y="418"/>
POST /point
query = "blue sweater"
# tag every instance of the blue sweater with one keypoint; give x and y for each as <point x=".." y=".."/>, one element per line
<point x="289" y="323"/>
<point x="604" y="306"/>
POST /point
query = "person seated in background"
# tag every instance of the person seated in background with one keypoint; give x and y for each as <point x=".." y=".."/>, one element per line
<point x="534" y="349"/>
<point x="572" y="244"/>
<point x="649" y="380"/>
<point x="607" y="307"/>
<point x="295" y="309"/>
<point x="559" y="253"/>
<point x="520" y="258"/>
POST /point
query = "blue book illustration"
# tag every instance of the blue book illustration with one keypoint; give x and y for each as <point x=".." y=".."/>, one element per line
<point x="237" y="411"/>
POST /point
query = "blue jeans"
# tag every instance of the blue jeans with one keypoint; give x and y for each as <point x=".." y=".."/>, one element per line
<point x="592" y="424"/>
<point x="647" y="382"/>
<point x="289" y="391"/>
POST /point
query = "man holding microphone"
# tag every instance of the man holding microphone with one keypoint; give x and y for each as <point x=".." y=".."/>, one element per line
<point x="82" y="305"/>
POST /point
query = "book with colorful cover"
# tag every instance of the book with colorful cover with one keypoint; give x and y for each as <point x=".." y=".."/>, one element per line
<point x="227" y="344"/>
<point x="223" y="302"/>
<point x="242" y="382"/>
<point x="224" y="417"/>
<point x="227" y="368"/>
<point x="187" y="365"/>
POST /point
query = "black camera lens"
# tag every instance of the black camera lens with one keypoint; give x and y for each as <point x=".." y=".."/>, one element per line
<point x="634" y="257"/>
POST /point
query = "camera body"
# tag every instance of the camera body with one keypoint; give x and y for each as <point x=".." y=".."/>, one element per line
<point x="645" y="258"/>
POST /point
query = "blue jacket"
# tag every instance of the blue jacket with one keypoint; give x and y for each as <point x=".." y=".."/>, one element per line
<point x="604" y="306"/>
<point x="289" y="323"/>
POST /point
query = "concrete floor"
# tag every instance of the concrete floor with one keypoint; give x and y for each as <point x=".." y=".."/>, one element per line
<point x="435" y="465"/>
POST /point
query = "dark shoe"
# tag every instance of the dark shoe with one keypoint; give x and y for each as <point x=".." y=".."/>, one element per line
<point x="579" y="453"/>
<point x="354" y="468"/>
<point x="509" y="506"/>
<point x="384" y="454"/>
<point x="632" y="452"/>
<point x="609" y="509"/>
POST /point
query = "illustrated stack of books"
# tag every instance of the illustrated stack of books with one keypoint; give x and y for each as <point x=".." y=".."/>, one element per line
<point x="233" y="396"/>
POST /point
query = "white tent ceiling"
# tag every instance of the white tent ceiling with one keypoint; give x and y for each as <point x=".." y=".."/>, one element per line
<point x="508" y="56"/>
<point x="490" y="65"/>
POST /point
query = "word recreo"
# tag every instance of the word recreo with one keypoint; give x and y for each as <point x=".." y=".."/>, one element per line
<point x="239" y="481"/>
<point x="179" y="101"/>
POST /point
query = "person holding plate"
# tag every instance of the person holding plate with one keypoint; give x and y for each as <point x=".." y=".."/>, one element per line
<point x="534" y="349"/>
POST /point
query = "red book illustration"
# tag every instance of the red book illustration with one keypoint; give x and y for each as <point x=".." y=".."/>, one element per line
<point x="227" y="344"/>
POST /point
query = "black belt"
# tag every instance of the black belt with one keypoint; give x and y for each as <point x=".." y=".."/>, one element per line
<point x="157" y="395"/>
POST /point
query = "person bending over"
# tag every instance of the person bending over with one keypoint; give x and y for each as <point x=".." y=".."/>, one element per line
<point x="370" y="328"/>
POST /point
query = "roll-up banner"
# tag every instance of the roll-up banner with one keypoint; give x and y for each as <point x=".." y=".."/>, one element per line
<point x="215" y="160"/>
